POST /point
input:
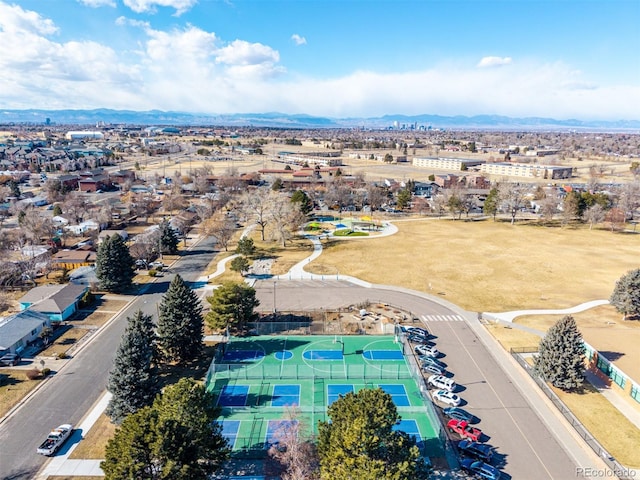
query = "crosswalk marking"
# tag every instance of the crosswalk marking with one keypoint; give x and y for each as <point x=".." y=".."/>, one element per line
<point x="442" y="318"/>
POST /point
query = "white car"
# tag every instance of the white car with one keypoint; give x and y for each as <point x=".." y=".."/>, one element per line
<point x="441" y="382"/>
<point x="434" y="369"/>
<point x="427" y="351"/>
<point x="446" y="397"/>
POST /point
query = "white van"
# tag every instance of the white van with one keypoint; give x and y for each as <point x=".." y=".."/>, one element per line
<point x="442" y="382"/>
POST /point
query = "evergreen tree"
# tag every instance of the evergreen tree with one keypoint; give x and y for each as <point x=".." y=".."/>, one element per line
<point x="180" y="323"/>
<point x="404" y="198"/>
<point x="232" y="305"/>
<point x="176" y="438"/>
<point x="626" y="294"/>
<point x="240" y="264"/>
<point x="133" y="380"/>
<point x="168" y="239"/>
<point x="560" y="359"/>
<point x="359" y="441"/>
<point x="14" y="187"/>
<point x="303" y="200"/>
<point x="246" y="247"/>
<point x="115" y="266"/>
<point x="491" y="203"/>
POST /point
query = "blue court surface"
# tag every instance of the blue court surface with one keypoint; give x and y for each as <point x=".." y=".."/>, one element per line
<point x="383" y="355"/>
<point x="233" y="396"/>
<point x="335" y="391"/>
<point x="242" y="355"/>
<point x="276" y="429"/>
<point x="410" y="427"/>
<point x="398" y="394"/>
<point x="283" y="355"/>
<point x="284" y="395"/>
<point x="230" y="431"/>
<point x="323" y="355"/>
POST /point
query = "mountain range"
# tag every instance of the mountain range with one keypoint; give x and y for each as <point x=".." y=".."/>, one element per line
<point x="302" y="121"/>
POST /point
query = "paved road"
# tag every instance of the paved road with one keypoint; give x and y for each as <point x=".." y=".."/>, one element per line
<point x="526" y="449"/>
<point x="69" y="395"/>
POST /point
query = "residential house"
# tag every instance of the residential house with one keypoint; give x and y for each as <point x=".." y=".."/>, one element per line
<point x="71" y="259"/>
<point x="107" y="233"/>
<point x="447" y="181"/>
<point x="58" y="302"/>
<point x="19" y="330"/>
<point x="94" y="183"/>
<point x="423" y="189"/>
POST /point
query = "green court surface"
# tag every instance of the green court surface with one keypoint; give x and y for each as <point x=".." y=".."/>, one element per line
<point x="257" y="379"/>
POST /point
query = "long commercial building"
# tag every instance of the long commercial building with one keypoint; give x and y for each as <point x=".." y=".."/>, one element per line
<point x="529" y="170"/>
<point x="443" y="163"/>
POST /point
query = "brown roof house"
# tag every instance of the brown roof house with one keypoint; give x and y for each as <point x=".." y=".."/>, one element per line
<point x="71" y="259"/>
<point x="58" y="302"/>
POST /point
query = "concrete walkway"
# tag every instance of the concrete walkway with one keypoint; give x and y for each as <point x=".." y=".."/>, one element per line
<point x="509" y="316"/>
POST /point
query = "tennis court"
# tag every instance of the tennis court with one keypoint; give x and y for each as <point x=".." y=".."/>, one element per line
<point x="258" y="379"/>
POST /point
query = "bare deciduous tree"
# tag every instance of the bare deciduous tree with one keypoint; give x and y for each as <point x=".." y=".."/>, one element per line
<point x="294" y="455"/>
<point x="286" y="217"/>
<point x="257" y="207"/>
<point x="512" y="198"/>
<point x="221" y="226"/>
<point x="594" y="214"/>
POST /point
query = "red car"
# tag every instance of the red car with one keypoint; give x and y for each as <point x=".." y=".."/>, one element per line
<point x="465" y="430"/>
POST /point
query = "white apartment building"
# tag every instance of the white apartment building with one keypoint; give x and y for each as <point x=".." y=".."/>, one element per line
<point x="528" y="170"/>
<point x="445" y="163"/>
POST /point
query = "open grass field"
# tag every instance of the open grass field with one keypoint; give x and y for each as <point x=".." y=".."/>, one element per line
<point x="490" y="266"/>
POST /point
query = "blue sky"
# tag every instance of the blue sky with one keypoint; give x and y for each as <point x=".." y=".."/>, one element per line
<point x="343" y="58"/>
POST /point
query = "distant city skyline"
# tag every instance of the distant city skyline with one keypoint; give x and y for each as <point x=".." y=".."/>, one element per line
<point x="349" y="58"/>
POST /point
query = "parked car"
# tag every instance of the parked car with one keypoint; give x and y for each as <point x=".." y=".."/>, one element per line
<point x="157" y="265"/>
<point x="458" y="413"/>
<point x="433" y="369"/>
<point x="441" y="382"/>
<point x="10" y="359"/>
<point x="446" y="397"/>
<point x="419" y="339"/>
<point x="432" y="361"/>
<point x="479" y="451"/>
<point x="480" y="469"/>
<point x="465" y="430"/>
<point x="418" y="331"/>
<point x="427" y="351"/>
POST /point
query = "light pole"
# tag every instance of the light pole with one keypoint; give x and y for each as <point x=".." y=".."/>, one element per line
<point x="274" y="298"/>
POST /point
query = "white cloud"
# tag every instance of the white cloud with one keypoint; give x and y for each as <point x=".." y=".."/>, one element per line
<point x="488" y="62"/>
<point x="15" y="20"/>
<point x="298" y="40"/>
<point x="98" y="3"/>
<point x="149" y="6"/>
<point x="240" y="52"/>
